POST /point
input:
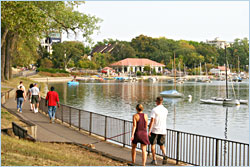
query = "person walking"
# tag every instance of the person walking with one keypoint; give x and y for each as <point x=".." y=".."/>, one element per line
<point x="139" y="133"/>
<point x="35" y="98"/>
<point x="21" y="85"/>
<point x="20" y="97"/>
<point x="29" y="94"/>
<point x="53" y="99"/>
<point x="157" y="129"/>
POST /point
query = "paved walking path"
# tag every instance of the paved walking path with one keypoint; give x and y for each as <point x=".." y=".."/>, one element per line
<point x="47" y="132"/>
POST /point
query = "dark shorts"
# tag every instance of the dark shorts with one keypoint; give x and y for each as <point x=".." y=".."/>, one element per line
<point x="35" y="99"/>
<point x="157" y="138"/>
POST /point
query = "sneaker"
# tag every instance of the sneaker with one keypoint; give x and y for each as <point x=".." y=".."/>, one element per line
<point x="154" y="162"/>
<point x="18" y="109"/>
<point x="164" y="160"/>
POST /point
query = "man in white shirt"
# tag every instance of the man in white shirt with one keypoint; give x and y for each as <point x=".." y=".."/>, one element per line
<point x="157" y="129"/>
<point x="35" y="98"/>
<point x="21" y="85"/>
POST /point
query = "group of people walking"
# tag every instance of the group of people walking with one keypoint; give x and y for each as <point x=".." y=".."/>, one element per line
<point x="34" y="97"/>
<point x="156" y="133"/>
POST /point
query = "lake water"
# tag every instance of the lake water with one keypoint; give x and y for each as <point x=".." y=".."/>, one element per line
<point x="118" y="99"/>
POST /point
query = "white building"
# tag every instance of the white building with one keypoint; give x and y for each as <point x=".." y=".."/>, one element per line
<point x="52" y="38"/>
<point x="135" y="64"/>
<point x="218" y="43"/>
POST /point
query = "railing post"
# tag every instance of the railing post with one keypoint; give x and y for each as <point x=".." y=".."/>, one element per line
<point x="177" y="149"/>
<point x="105" y="132"/>
<point x="62" y="114"/>
<point x="79" y="120"/>
<point x="69" y="116"/>
<point x="124" y="135"/>
<point x="217" y="152"/>
<point x="90" y="123"/>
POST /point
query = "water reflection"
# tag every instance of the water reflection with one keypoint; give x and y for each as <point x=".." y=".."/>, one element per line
<point x="118" y="99"/>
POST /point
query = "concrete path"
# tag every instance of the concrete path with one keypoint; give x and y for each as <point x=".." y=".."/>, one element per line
<point x="57" y="132"/>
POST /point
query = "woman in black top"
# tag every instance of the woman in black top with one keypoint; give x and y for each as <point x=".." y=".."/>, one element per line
<point x="20" y="97"/>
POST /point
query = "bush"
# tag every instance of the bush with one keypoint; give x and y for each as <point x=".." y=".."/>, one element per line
<point x="159" y="74"/>
<point x="138" y="73"/>
<point x="48" y="74"/>
<point x="46" y="63"/>
<point x="51" y="70"/>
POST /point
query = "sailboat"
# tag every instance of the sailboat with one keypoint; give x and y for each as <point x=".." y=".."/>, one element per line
<point x="172" y="93"/>
<point x="222" y="101"/>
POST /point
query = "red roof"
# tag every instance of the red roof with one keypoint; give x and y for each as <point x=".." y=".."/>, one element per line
<point x="137" y="62"/>
<point x="222" y="68"/>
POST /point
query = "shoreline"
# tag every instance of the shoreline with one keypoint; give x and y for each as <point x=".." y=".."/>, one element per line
<point x="66" y="79"/>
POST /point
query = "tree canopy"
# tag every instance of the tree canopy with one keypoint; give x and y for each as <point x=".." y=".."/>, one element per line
<point x="23" y="20"/>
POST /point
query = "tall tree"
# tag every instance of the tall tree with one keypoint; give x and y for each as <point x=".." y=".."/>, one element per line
<point x="22" y="20"/>
<point x="64" y="53"/>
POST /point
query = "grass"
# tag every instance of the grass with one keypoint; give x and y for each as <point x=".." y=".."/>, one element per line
<point x="14" y="82"/>
<point x="15" y="152"/>
<point x="7" y="119"/>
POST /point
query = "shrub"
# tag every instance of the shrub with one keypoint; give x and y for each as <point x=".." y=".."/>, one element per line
<point x="51" y="70"/>
<point x="159" y="74"/>
<point x="138" y="73"/>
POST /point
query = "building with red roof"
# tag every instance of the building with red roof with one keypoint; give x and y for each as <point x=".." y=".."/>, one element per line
<point x="136" y="64"/>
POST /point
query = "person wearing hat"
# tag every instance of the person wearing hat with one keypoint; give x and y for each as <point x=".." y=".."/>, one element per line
<point x="157" y="129"/>
<point x="35" y="98"/>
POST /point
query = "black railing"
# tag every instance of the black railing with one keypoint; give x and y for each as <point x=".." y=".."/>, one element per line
<point x="19" y="131"/>
<point x="181" y="146"/>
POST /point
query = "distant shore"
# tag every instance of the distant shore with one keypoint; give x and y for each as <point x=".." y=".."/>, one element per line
<point x="66" y="79"/>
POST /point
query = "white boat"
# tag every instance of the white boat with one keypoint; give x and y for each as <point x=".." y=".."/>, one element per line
<point x="222" y="99"/>
<point x="171" y="93"/>
<point x="211" y="101"/>
<point x="152" y="79"/>
<point x="221" y="102"/>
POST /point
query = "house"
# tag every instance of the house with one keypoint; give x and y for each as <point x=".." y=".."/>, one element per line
<point x="136" y="64"/>
<point x="218" y="43"/>
<point x="220" y="70"/>
<point x="101" y="49"/>
<point x="53" y="37"/>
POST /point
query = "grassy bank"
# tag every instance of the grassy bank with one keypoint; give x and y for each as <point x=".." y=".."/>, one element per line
<point x="17" y="152"/>
<point x="7" y="119"/>
<point x="14" y="82"/>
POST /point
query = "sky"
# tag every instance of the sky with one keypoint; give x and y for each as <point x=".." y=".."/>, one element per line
<point x="187" y="20"/>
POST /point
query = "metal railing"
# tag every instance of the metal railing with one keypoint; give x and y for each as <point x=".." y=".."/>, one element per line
<point x="19" y="131"/>
<point x="6" y="95"/>
<point x="181" y="146"/>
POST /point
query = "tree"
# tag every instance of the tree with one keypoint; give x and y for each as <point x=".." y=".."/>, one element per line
<point x="22" y="20"/>
<point x="66" y="52"/>
<point x="123" y="50"/>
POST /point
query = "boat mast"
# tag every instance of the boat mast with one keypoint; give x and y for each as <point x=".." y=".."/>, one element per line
<point x="226" y="71"/>
<point x="174" y="73"/>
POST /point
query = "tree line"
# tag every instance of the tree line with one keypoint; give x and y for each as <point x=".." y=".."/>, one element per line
<point x="24" y="23"/>
<point x="187" y="53"/>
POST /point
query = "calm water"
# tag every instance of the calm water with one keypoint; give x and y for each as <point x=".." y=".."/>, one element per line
<point x="118" y="99"/>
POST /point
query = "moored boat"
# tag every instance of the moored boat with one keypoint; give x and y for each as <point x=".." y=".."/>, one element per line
<point x="73" y="83"/>
<point x="171" y="93"/>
